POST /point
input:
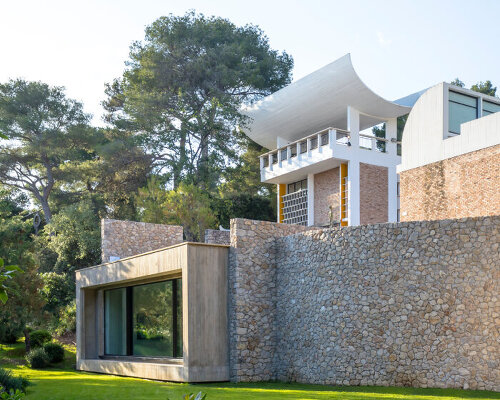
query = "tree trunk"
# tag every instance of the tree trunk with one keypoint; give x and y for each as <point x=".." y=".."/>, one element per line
<point x="46" y="210"/>
<point x="27" y="340"/>
<point x="182" y="158"/>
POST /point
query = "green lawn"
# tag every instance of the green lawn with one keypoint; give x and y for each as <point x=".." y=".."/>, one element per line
<point x="63" y="383"/>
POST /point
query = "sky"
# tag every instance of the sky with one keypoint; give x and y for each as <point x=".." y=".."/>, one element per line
<point x="397" y="47"/>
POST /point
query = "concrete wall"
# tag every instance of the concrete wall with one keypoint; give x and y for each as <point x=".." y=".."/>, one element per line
<point x="373" y="182"/>
<point x="252" y="297"/>
<point x="203" y="269"/>
<point x="391" y="304"/>
<point x="127" y="238"/>
<point x="326" y="194"/>
<point x="462" y="186"/>
<point x="215" y="236"/>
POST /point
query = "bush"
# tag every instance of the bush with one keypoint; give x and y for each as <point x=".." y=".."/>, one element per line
<point x="37" y="358"/>
<point x="11" y="395"/>
<point x="54" y="351"/>
<point x="67" y="319"/>
<point x="9" y="381"/>
<point x="39" y="338"/>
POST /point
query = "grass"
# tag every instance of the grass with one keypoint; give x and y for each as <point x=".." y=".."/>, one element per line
<point x="62" y="382"/>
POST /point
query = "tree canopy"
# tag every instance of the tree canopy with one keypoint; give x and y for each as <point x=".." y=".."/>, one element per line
<point x="183" y="89"/>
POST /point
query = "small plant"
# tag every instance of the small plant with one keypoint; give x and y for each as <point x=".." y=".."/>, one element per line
<point x="11" y="395"/>
<point x="67" y="319"/>
<point x="39" y="338"/>
<point x="37" y="358"/>
<point x="9" y="381"/>
<point x="191" y="396"/>
<point x="54" y="351"/>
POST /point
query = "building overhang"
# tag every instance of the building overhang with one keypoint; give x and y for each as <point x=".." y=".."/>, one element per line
<point x="318" y="100"/>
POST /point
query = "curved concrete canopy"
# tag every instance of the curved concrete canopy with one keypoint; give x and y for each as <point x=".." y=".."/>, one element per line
<point x="315" y="102"/>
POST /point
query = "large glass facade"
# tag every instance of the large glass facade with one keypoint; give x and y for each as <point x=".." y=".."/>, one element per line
<point x="462" y="108"/>
<point x="144" y="320"/>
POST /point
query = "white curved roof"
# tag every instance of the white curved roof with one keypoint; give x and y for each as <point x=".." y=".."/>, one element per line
<point x="315" y="102"/>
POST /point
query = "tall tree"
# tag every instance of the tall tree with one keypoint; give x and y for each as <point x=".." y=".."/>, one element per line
<point x="485" y="87"/>
<point x="184" y="86"/>
<point x="45" y="129"/>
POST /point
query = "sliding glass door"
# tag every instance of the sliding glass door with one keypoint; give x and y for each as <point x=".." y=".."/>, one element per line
<point x="144" y="320"/>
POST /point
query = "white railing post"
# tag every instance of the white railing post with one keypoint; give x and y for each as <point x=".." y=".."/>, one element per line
<point x="261" y="162"/>
<point x="289" y="154"/>
<point x="270" y="161"/>
<point x="332" y="138"/>
<point x="299" y="156"/>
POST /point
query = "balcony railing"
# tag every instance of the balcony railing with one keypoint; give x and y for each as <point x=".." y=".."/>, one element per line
<point x="322" y="139"/>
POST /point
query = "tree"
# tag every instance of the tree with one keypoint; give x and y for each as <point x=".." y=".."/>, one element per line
<point x="485" y="88"/>
<point x="187" y="205"/>
<point x="45" y="129"/>
<point x="183" y="89"/>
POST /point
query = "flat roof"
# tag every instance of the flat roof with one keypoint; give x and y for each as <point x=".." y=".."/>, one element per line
<point x="317" y="101"/>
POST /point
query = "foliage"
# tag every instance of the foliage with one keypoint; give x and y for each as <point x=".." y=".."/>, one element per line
<point x="243" y="206"/>
<point x="187" y="205"/>
<point x="192" y="396"/>
<point x="485" y="87"/>
<point x="37" y="358"/>
<point x="11" y="382"/>
<point x="183" y="90"/>
<point x="12" y="395"/>
<point x="67" y="319"/>
<point x="46" y="129"/>
<point x="6" y="272"/>
<point x="39" y="338"/>
<point x="55" y="352"/>
<point x="57" y="291"/>
<point x="74" y="236"/>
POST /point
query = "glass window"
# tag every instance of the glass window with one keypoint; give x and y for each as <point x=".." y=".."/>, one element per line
<point x="296" y="186"/>
<point x="462" y="109"/>
<point x="490" y="108"/>
<point x="115" y="322"/>
<point x="144" y="320"/>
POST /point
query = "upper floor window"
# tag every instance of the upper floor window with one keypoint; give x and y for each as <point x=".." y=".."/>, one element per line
<point x="490" y="108"/>
<point x="462" y="108"/>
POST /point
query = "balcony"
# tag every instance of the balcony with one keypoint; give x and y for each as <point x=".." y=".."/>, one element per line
<point x="320" y="151"/>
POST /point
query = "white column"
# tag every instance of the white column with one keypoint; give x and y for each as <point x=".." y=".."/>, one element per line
<point x="391" y="132"/>
<point x="310" y="199"/>
<point x="392" y="195"/>
<point x="353" y="203"/>
<point x="353" y="125"/>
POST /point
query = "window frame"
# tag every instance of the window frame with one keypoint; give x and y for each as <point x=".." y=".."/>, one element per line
<point x="176" y="284"/>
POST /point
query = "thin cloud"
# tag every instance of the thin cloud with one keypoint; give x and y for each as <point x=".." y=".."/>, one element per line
<point x="383" y="41"/>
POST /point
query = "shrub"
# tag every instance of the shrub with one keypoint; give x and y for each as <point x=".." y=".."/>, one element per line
<point x="37" y="358"/>
<point x="11" y="395"/>
<point x="9" y="381"/>
<point x="39" y="338"/>
<point x="67" y="319"/>
<point x="54" y="351"/>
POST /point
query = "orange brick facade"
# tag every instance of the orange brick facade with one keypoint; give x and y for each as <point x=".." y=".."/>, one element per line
<point x="464" y="186"/>
<point x="373" y="181"/>
<point x="326" y="194"/>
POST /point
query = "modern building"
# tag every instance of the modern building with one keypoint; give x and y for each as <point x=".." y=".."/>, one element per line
<point x="451" y="156"/>
<point x="328" y="165"/>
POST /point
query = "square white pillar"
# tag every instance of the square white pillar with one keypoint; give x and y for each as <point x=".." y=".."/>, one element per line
<point x="391" y="132"/>
<point x="392" y="194"/>
<point x="353" y="126"/>
<point x="310" y="199"/>
<point x="353" y="202"/>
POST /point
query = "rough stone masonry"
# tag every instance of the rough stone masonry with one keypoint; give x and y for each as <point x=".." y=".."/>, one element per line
<point x="409" y="304"/>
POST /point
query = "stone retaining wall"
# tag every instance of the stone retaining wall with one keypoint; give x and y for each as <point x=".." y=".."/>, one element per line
<point x="215" y="236"/>
<point x="414" y="303"/>
<point x="252" y="297"/>
<point x="128" y="238"/>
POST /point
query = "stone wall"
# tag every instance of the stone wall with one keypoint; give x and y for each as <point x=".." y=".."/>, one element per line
<point x="326" y="194"/>
<point x="215" y="236"/>
<point x="127" y="238"/>
<point x="464" y="186"/>
<point x="414" y="303"/>
<point x="373" y="181"/>
<point x="252" y="297"/>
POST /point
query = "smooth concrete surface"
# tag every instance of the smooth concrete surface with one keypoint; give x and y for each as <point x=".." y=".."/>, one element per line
<point x="203" y="269"/>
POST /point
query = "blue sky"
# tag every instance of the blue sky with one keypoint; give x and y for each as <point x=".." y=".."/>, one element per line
<point x="397" y="47"/>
